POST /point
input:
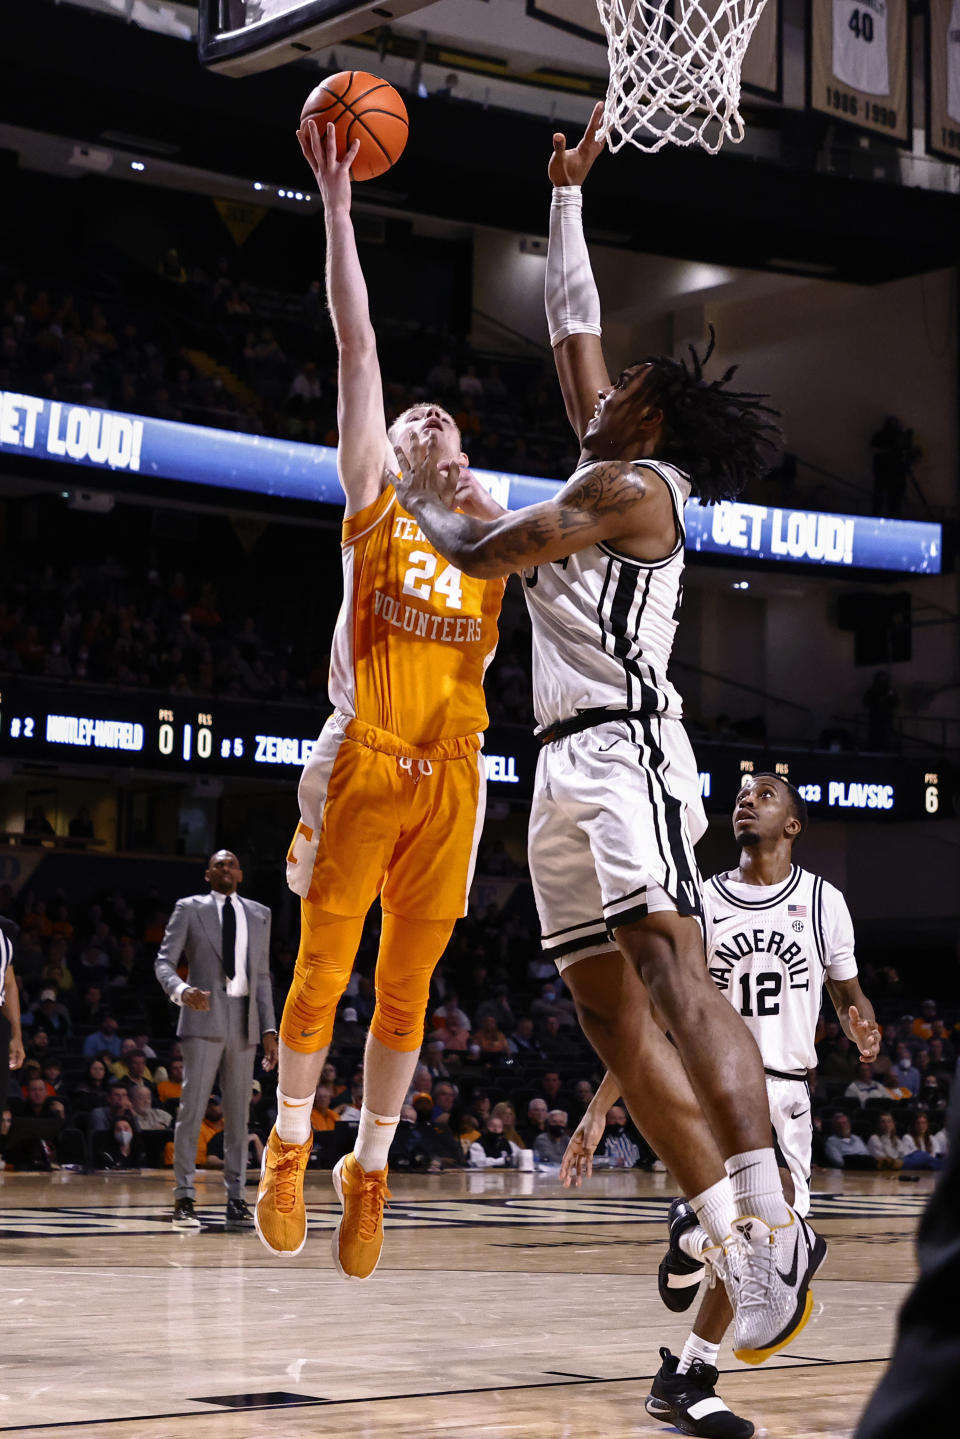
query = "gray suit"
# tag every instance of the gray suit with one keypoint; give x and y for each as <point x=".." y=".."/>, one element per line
<point x="224" y="1037"/>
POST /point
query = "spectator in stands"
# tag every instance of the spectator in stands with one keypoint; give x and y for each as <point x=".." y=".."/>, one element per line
<point x="470" y="384"/>
<point x="322" y="1117"/>
<point x="525" y="1043"/>
<point x="449" y="1015"/>
<point x="447" y="91"/>
<point x="210" y="1127"/>
<point x="118" y="1148"/>
<point x="493" y="1149"/>
<point x="444" y="1098"/>
<point x="549" y="1148"/>
<point x="306" y="385"/>
<point x="148" y="1116"/>
<point x="81" y="825"/>
<point x="434" y="1060"/>
<point x="441" y="379"/>
<point x="616" y="1145"/>
<point x="846" y="1150"/>
<point x="348" y="1106"/>
<point x="37" y="1094"/>
<point x="923" y="1150"/>
<point x="583" y="1092"/>
<point x="499" y="1007"/>
<point x="490" y="1041"/>
<point x="922" y="1026"/>
<point x="866" y="1086"/>
<point x="559" y="1045"/>
<point x="92" y="1090"/>
<point x="88" y="1009"/>
<point x="536" y="1122"/>
<point x="551" y="1001"/>
<point x="554" y="1092"/>
<point x="904" y="1070"/>
<point x="934" y="1094"/>
<point x="883" y="1071"/>
<point x="170" y="1089"/>
<point x="50" y="1015"/>
<point x="885" y="1144"/>
<point x="838" y="1061"/>
<point x="117" y="1105"/>
<point x="37" y="827"/>
<point x="942" y="1058"/>
<point x="505" y="1112"/>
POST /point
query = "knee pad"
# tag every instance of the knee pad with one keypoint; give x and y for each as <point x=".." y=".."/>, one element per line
<point x="409" y="951"/>
<point x="328" y="947"/>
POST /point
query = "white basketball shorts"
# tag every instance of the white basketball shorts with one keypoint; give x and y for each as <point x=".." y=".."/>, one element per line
<point x="793" y="1129"/>
<point x="616" y="813"/>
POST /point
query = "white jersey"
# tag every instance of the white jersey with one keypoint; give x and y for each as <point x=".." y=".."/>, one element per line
<point x="860" y="45"/>
<point x="6" y="955"/>
<point x="603" y="625"/>
<point x="953" y="63"/>
<point x="770" y="949"/>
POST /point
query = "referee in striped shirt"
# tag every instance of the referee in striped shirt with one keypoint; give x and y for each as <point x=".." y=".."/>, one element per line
<point x="11" y="1038"/>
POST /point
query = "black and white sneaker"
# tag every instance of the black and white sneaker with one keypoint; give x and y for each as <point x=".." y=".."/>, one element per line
<point x="690" y="1401"/>
<point x="679" y="1275"/>
<point x="184" y="1215"/>
<point x="239" y="1216"/>
<point x="768" y="1273"/>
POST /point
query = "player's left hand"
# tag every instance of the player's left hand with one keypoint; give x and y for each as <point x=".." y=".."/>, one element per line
<point x="271" y="1052"/>
<point x="424" y="472"/>
<point x="865" y="1034"/>
<point x="577" y="1160"/>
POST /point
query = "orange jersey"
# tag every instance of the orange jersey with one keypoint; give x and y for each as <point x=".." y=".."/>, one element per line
<point x="414" y="635"/>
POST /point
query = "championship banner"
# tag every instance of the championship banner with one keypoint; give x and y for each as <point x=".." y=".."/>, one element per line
<point x="858" y="64"/>
<point x="943" y="79"/>
<point x="124" y="448"/>
<point x="762" y="71"/>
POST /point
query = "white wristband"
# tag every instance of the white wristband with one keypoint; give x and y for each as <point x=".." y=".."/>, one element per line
<point x="570" y="292"/>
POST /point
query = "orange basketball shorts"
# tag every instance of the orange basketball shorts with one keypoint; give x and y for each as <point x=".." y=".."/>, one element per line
<point x="379" y="816"/>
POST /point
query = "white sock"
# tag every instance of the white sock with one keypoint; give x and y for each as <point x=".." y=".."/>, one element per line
<point x="694" y="1241"/>
<point x="293" y="1118"/>
<point x="757" y="1186"/>
<point x="697" y="1348"/>
<point x="374" y="1139"/>
<point x="715" y="1210"/>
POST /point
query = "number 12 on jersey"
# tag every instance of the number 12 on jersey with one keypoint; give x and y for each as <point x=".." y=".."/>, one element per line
<point x="764" y="1000"/>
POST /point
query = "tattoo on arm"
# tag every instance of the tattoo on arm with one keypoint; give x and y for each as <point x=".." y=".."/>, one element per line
<point x="578" y="516"/>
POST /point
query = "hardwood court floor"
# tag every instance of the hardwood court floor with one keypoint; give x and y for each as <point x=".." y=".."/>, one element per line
<point x="504" y="1308"/>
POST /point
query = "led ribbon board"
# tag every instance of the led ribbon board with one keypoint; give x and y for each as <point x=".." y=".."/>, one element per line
<point x="134" y="445"/>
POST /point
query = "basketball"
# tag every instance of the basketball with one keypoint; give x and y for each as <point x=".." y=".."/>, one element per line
<point x="361" y="107"/>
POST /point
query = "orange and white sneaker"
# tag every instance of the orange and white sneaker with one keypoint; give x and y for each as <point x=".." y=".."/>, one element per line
<point x="358" y="1238"/>
<point x="280" y="1215"/>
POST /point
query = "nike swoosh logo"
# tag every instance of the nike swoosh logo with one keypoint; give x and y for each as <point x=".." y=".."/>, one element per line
<point x="743" y="1168"/>
<point x="799" y="1114"/>
<point x="287" y="1105"/>
<point x="790" y="1279"/>
<point x="719" y="918"/>
<point x="308" y="1033"/>
<point x="383" y="1123"/>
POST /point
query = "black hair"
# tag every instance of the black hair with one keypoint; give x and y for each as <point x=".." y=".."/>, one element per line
<point x="797" y="802"/>
<point x="721" y="438"/>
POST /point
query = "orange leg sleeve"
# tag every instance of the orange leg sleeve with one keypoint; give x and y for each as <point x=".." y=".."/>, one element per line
<point x="328" y="947"/>
<point x="409" y="951"/>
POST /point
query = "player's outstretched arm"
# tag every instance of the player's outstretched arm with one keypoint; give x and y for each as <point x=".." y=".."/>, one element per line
<point x="856" y="1016"/>
<point x="360" y="419"/>
<point x="598" y="503"/>
<point x="570" y="292"/>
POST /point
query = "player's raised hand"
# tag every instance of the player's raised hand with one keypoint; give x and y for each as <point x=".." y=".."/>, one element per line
<point x="571" y="167"/>
<point x="577" y="1160"/>
<point x="471" y="497"/>
<point x="423" y="470"/>
<point x="319" y="145"/>
<point x="865" y="1034"/>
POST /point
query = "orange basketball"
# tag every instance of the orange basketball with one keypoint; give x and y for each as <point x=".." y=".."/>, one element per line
<point x="365" y="108"/>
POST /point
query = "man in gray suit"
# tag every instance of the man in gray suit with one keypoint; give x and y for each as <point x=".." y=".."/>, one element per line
<point x="227" y="1007"/>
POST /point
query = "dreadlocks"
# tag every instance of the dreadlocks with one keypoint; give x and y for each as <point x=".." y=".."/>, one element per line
<point x="722" y="438"/>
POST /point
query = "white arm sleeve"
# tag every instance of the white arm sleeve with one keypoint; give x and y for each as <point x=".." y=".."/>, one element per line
<point x="570" y="292"/>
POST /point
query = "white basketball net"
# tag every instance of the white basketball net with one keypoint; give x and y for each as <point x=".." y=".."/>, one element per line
<point x="675" y="71"/>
